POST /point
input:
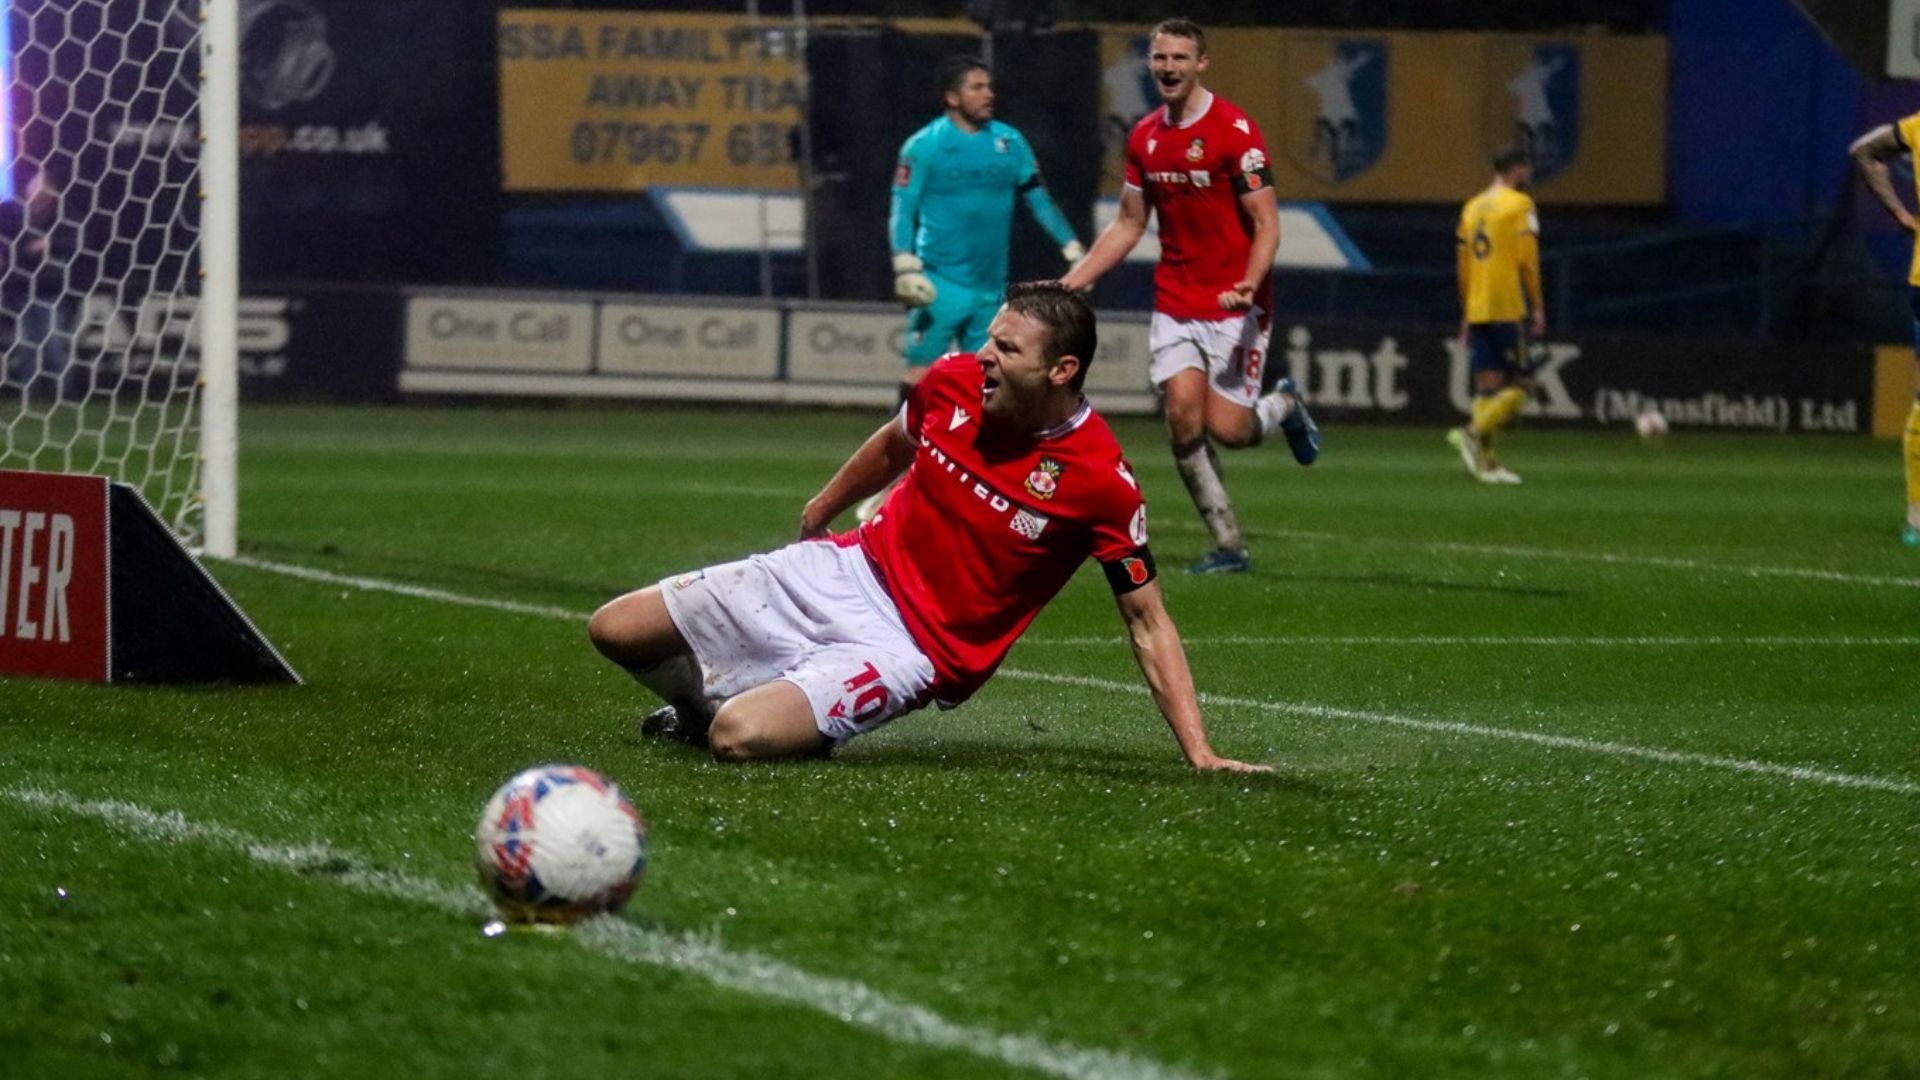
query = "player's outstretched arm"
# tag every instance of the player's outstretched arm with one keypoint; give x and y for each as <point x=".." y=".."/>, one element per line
<point x="1871" y="152"/>
<point x="1264" y="210"/>
<point x="885" y="455"/>
<point x="1118" y="238"/>
<point x="1162" y="659"/>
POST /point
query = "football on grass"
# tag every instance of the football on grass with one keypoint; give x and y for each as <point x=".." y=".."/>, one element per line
<point x="558" y="843"/>
<point x="1650" y="424"/>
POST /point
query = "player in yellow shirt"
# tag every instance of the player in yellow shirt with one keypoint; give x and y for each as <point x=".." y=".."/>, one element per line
<point x="1500" y="308"/>
<point x="1871" y="152"/>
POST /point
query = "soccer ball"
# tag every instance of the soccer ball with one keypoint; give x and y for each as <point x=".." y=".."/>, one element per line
<point x="558" y="843"/>
<point x="1650" y="424"/>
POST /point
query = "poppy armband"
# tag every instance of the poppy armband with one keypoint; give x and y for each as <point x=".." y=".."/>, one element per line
<point x="1130" y="571"/>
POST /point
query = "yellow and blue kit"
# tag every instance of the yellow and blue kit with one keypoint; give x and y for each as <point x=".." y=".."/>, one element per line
<point x="1499" y="271"/>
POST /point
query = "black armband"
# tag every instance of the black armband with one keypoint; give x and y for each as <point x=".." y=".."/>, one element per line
<point x="1130" y="572"/>
<point x="1253" y="180"/>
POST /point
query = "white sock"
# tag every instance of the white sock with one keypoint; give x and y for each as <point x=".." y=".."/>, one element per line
<point x="1272" y="411"/>
<point x="679" y="683"/>
<point x="1199" y="471"/>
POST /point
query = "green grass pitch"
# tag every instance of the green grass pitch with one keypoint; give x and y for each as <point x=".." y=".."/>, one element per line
<point x="1612" y="774"/>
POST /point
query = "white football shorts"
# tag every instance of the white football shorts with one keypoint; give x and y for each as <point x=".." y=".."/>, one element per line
<point x="813" y="614"/>
<point x="1231" y="351"/>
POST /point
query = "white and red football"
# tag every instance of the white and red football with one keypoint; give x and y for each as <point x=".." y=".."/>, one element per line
<point x="558" y="843"/>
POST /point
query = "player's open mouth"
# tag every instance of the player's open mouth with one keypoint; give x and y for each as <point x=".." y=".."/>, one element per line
<point x="988" y="384"/>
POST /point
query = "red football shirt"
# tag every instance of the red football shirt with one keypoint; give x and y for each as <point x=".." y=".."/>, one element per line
<point x="1193" y="175"/>
<point x="988" y="526"/>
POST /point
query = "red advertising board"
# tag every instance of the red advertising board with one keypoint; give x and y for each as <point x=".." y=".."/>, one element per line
<point x="53" y="575"/>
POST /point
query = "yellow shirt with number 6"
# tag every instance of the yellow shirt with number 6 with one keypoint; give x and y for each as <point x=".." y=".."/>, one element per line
<point x="1499" y="237"/>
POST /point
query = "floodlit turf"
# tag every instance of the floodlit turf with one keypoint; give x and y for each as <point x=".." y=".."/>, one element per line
<point x="1714" y="870"/>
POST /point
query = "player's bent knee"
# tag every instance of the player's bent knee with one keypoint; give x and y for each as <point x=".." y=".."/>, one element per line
<point x="1184" y="425"/>
<point x="613" y="631"/>
<point x="634" y="629"/>
<point x="603" y="629"/>
<point x="765" y="723"/>
<point x="729" y="743"/>
<point x="734" y="738"/>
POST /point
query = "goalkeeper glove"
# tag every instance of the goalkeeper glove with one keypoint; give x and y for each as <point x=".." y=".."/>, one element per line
<point x="1073" y="252"/>
<point x="911" y="285"/>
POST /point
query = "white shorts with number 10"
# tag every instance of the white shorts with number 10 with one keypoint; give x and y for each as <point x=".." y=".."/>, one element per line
<point x="1231" y="351"/>
<point x="811" y="614"/>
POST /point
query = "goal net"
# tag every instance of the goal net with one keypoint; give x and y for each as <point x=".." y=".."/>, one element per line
<point x="119" y="275"/>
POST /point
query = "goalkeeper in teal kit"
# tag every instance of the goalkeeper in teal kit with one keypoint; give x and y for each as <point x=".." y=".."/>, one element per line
<point x="951" y="214"/>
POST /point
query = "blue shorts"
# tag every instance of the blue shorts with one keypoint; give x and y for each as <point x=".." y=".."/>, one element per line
<point x="1913" y="303"/>
<point x="957" y="319"/>
<point x="1499" y="347"/>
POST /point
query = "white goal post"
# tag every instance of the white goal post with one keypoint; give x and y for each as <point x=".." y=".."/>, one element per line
<point x="120" y="208"/>
<point x="219" y="307"/>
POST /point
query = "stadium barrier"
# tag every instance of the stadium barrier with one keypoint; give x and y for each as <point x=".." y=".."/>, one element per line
<point x="369" y="344"/>
<point x="485" y="342"/>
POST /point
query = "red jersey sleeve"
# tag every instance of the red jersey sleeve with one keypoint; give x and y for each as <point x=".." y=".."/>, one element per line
<point x="1135" y="174"/>
<point x="1120" y="534"/>
<point x="1247" y="164"/>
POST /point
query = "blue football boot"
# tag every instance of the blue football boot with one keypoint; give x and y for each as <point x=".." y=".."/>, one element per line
<point x="1222" y="561"/>
<point x="1303" y="435"/>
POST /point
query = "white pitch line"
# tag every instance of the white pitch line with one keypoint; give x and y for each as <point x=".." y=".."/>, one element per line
<point x="1672" y="563"/>
<point x="1557" y="742"/>
<point x="1560" y="742"/>
<point x="845" y="1000"/>
<point x="745" y="491"/>
<point x="1609" y="558"/>
<point x="365" y="584"/>
<point x="1496" y="641"/>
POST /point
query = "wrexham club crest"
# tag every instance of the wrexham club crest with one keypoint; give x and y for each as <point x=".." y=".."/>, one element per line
<point x="1044" y="480"/>
<point x="1537" y="87"/>
<point x="1335" y="106"/>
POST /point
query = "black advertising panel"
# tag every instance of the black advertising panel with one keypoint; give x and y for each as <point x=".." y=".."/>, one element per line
<point x="369" y="141"/>
<point x="320" y="343"/>
<point x="1357" y="373"/>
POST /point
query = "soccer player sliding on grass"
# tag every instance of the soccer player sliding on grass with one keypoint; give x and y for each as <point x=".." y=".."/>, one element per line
<point x="1011" y="482"/>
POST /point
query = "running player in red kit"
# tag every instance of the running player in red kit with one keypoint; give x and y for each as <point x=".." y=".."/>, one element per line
<point x="1200" y="164"/>
<point x="1012" y="481"/>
